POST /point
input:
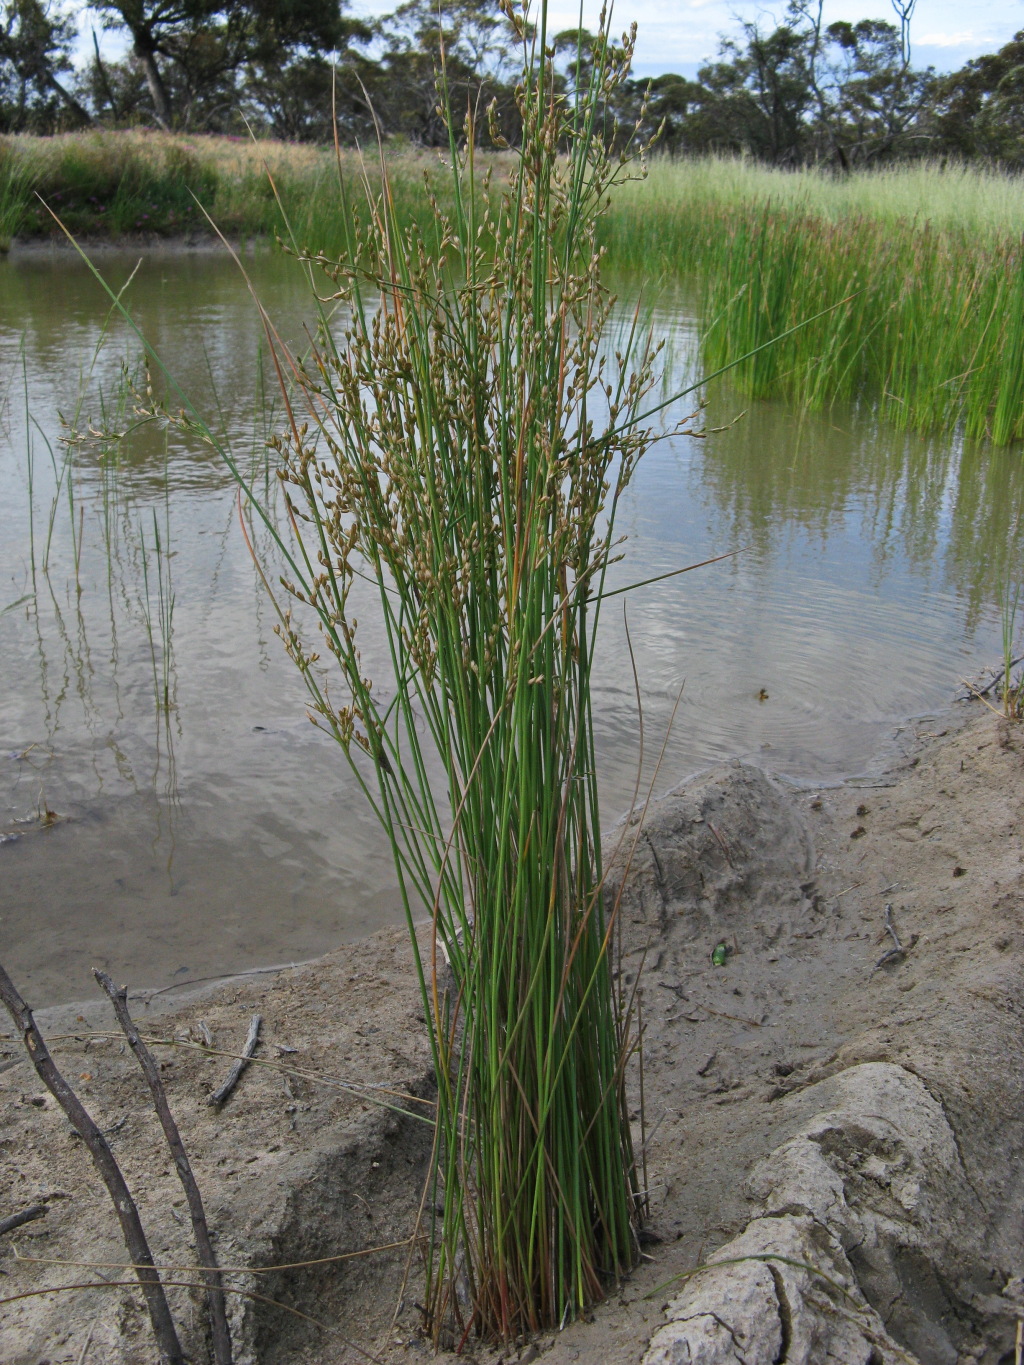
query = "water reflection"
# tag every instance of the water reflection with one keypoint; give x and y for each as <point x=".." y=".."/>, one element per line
<point x="949" y="509"/>
<point x="209" y="826"/>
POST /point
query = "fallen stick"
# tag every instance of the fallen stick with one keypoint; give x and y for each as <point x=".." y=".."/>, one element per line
<point x="251" y="1043"/>
<point x="204" y="1247"/>
<point x="897" y="953"/>
<point x="225" y="976"/>
<point x="16" y="1220"/>
<point x="109" y="1171"/>
<point x="890" y="929"/>
<point x="998" y="677"/>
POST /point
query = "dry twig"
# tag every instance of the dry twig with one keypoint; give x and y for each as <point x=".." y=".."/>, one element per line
<point x="251" y="1043"/>
<point x="204" y="1247"/>
<point x="17" y="1220"/>
<point x="109" y="1171"/>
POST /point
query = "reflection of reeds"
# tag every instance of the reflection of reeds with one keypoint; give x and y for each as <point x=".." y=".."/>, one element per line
<point x="87" y="486"/>
<point x="30" y="464"/>
<point x="158" y="614"/>
<point x="18" y="602"/>
<point x="952" y="507"/>
<point x="62" y="475"/>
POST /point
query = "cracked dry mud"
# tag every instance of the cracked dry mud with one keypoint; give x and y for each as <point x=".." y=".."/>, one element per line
<point x="835" y="1143"/>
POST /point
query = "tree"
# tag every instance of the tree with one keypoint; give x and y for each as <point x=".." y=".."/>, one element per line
<point x="200" y="57"/>
<point x="879" y="100"/>
<point x="35" y="51"/>
<point x="979" y="110"/>
<point x="754" y="99"/>
<point x="804" y="92"/>
<point x="481" y="55"/>
<point x="155" y="30"/>
<point x="671" y="103"/>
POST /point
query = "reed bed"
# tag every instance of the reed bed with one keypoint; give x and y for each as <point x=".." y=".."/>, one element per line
<point x="929" y="261"/>
<point x="17" y="180"/>
<point x="932" y="337"/>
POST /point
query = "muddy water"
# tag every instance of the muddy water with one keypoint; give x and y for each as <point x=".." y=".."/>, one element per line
<point x="166" y="810"/>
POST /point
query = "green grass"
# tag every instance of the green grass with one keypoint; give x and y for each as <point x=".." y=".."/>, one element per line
<point x="17" y="177"/>
<point x="932" y="337"/>
<point x="126" y="185"/>
<point x="929" y="259"/>
<point x="971" y="199"/>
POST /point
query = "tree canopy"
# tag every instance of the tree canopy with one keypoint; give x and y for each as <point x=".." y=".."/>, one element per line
<point x="791" y="93"/>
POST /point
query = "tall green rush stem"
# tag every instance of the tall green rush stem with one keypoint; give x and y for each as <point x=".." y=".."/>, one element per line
<point x="460" y="443"/>
<point x="1012" y="692"/>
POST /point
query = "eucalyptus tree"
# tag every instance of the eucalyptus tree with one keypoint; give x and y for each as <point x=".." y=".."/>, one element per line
<point x="755" y="98"/>
<point x="869" y="103"/>
<point x="203" y="58"/>
<point x="36" y="40"/>
<point x="979" y="110"/>
<point x="475" y="42"/>
<point x="806" y="91"/>
<point x="880" y="104"/>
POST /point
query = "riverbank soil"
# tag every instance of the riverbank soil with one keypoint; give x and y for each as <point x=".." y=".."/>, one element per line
<point x="835" y="1114"/>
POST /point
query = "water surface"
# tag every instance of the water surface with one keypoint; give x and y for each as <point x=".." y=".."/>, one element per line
<point x="169" y="812"/>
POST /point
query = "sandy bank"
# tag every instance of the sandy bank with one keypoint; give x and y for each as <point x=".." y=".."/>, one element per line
<point x="820" y="1100"/>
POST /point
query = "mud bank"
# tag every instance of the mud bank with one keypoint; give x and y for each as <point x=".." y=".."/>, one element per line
<point x="835" y="1115"/>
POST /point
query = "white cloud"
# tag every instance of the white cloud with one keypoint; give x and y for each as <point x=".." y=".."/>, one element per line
<point x="947" y="39"/>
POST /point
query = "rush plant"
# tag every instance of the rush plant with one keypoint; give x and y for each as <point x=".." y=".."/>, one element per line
<point x="1011" y="692"/>
<point x="460" y="442"/>
<point x="456" y="443"/>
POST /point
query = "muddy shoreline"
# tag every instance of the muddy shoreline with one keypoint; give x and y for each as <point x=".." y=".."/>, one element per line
<point x="860" y="1105"/>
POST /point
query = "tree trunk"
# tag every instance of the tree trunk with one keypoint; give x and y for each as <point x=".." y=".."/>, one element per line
<point x="79" y="111"/>
<point x="104" y="81"/>
<point x="157" y="89"/>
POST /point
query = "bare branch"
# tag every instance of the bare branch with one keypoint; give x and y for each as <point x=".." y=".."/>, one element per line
<point x="109" y="1171"/>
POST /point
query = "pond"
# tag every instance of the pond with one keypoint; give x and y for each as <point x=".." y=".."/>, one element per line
<point x="168" y="812"/>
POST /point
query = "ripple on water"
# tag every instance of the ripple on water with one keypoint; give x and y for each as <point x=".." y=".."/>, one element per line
<point x="224" y="831"/>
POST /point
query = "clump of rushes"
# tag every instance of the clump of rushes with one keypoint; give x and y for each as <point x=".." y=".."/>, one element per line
<point x="462" y="445"/>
